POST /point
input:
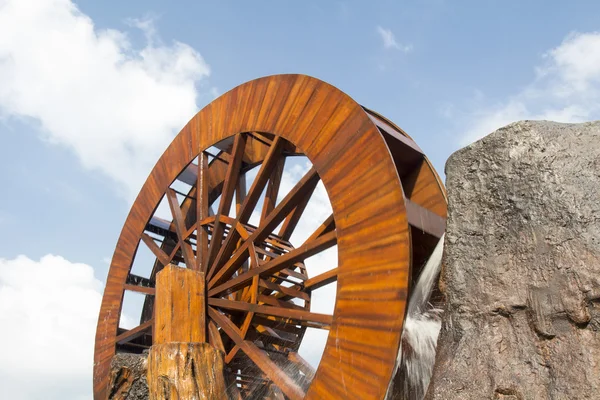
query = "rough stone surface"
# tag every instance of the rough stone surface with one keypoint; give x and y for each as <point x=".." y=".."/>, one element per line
<point x="128" y="377"/>
<point x="522" y="266"/>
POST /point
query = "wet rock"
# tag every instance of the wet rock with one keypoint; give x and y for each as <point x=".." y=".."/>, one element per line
<point x="522" y="266"/>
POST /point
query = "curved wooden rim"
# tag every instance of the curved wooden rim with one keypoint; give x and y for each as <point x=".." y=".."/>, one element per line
<point x="345" y="147"/>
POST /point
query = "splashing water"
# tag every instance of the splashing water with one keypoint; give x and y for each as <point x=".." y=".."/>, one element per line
<point x="419" y="337"/>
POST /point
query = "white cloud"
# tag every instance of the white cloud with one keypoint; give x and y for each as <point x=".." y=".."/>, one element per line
<point x="566" y="88"/>
<point x="48" y="314"/>
<point x="389" y="40"/>
<point x="114" y="105"/>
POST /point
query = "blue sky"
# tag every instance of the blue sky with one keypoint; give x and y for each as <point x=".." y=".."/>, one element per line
<point x="89" y="87"/>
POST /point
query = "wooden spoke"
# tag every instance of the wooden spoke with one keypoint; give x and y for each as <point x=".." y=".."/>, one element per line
<point x="293" y="218"/>
<point x="306" y="250"/>
<point x="140" y="289"/>
<point x="283" y="290"/>
<point x="186" y="249"/>
<point x="327" y="226"/>
<point x="157" y="251"/>
<point x="302" y="364"/>
<point x="134" y="333"/>
<point x="214" y="337"/>
<point x="298" y="315"/>
<point x="306" y="184"/>
<point x="249" y="203"/>
<point x="262" y="361"/>
<point x="272" y="190"/>
<point x="202" y="211"/>
<point x="229" y="185"/>
<point x="321" y="280"/>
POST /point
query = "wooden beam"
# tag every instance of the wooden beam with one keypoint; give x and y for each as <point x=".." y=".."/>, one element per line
<point x="134" y="333"/>
<point x="424" y="219"/>
<point x="229" y="185"/>
<point x="298" y="315"/>
<point x="262" y="361"/>
<point x="321" y="280"/>
<point x="162" y="257"/>
<point x="249" y="203"/>
<point x="202" y="212"/>
<point x="186" y="248"/>
<point x="306" y="250"/>
<point x="140" y="289"/>
<point x="306" y="184"/>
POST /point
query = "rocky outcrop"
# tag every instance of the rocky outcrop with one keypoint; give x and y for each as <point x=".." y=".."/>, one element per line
<point x="522" y="266"/>
<point x="128" y="377"/>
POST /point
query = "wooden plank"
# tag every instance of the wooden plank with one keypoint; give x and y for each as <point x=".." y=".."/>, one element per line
<point x="284" y="382"/>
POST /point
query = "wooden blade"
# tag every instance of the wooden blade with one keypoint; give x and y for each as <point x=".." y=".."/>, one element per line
<point x="424" y="219"/>
<point x="202" y="212"/>
<point x="306" y="250"/>
<point x="229" y="185"/>
<point x="186" y="248"/>
<point x="262" y="361"/>
<point x="305" y="185"/>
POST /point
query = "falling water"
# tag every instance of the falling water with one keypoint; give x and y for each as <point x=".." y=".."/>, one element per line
<point x="419" y="337"/>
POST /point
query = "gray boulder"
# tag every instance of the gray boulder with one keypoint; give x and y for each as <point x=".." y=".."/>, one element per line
<point x="521" y="270"/>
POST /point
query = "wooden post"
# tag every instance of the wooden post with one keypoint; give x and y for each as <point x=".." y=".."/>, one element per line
<point x="181" y="365"/>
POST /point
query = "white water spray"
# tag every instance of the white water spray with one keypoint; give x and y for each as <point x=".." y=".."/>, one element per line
<point x="419" y="337"/>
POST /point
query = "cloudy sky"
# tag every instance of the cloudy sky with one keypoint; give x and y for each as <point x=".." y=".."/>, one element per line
<point x="91" y="92"/>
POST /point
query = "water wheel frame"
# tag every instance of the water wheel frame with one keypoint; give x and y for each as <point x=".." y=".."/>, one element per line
<point x="389" y="208"/>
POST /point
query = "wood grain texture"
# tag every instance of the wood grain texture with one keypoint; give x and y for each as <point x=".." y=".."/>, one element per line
<point x="179" y="299"/>
<point x="184" y="371"/>
<point x="352" y="156"/>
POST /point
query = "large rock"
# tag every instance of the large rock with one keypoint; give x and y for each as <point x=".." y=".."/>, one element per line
<point x="522" y="266"/>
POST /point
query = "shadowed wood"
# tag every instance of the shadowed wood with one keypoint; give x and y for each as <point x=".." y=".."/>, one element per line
<point x="288" y="386"/>
<point x="369" y="168"/>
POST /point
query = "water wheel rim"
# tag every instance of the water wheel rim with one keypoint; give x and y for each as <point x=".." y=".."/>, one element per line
<point x="352" y="159"/>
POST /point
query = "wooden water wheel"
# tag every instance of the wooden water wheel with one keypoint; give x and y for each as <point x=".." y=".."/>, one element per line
<point x="389" y="209"/>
